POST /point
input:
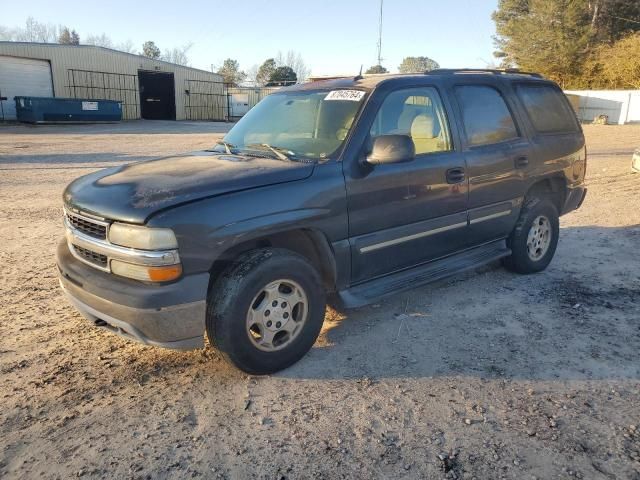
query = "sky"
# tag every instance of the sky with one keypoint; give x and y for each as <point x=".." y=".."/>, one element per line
<point x="333" y="37"/>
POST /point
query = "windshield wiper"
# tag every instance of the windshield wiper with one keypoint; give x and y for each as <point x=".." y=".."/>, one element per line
<point x="277" y="151"/>
<point x="227" y="146"/>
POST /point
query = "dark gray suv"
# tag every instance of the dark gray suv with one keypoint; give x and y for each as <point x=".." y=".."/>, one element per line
<point x="348" y="189"/>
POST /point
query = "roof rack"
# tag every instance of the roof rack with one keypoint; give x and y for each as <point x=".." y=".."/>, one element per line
<point x="482" y="70"/>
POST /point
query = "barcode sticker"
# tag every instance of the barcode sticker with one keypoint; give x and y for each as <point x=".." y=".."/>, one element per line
<point x="349" y="95"/>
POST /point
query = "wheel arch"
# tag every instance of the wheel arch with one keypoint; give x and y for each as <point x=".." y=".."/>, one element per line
<point x="554" y="187"/>
<point x="311" y="244"/>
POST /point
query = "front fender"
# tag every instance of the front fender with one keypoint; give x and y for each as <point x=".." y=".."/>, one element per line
<point x="207" y="228"/>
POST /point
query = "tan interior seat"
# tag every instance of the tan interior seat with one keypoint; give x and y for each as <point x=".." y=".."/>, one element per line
<point x="423" y="133"/>
<point x="405" y="120"/>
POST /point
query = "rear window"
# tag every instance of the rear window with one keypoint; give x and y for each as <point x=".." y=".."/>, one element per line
<point x="485" y="115"/>
<point x="547" y="108"/>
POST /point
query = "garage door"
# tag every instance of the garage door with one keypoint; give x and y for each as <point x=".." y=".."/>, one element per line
<point x="22" y="77"/>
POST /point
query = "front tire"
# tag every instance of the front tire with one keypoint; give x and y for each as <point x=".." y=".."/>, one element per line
<point x="534" y="239"/>
<point x="265" y="313"/>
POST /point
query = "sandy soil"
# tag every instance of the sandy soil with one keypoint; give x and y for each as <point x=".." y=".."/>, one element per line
<point x="487" y="375"/>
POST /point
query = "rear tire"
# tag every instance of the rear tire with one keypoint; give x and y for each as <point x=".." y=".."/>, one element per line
<point x="534" y="239"/>
<point x="266" y="312"/>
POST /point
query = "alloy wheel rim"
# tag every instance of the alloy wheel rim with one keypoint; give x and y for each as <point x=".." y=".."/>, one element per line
<point x="277" y="315"/>
<point x="539" y="238"/>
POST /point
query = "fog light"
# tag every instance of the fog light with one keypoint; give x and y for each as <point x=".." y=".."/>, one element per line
<point x="144" y="273"/>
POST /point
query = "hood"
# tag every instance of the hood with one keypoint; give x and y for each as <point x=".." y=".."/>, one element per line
<point x="132" y="193"/>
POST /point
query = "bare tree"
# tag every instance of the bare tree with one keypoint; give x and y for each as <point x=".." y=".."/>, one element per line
<point x="101" y="40"/>
<point x="294" y="60"/>
<point x="6" y="33"/>
<point x="178" y="55"/>
<point x="34" y="31"/>
<point x="126" y="46"/>
<point x="252" y="75"/>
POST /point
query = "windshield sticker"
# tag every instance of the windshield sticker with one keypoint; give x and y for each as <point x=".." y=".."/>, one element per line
<point x="349" y="95"/>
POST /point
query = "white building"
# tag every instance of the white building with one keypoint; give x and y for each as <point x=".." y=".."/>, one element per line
<point x="621" y="106"/>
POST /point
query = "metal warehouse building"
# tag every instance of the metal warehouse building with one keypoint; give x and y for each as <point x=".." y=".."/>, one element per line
<point x="146" y="88"/>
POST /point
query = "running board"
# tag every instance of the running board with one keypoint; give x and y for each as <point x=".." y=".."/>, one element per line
<point x="368" y="292"/>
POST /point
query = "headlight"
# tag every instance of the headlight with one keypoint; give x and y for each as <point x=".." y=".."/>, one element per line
<point x="144" y="238"/>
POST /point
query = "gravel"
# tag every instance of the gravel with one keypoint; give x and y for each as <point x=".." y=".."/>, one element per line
<point x="545" y="367"/>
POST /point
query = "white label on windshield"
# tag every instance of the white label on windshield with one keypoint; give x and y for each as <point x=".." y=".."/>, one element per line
<point x="350" y="95"/>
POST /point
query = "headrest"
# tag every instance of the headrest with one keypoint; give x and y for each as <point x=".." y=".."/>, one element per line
<point x="423" y="126"/>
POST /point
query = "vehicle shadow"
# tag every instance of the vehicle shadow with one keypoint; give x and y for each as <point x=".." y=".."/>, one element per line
<point x="576" y="320"/>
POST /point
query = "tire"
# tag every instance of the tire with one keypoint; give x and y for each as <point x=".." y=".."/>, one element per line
<point x="238" y="311"/>
<point x="533" y="254"/>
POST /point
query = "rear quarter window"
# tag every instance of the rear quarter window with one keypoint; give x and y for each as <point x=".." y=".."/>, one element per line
<point x="547" y="109"/>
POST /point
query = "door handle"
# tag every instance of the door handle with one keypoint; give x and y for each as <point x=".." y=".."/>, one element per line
<point x="455" y="175"/>
<point x="522" y="161"/>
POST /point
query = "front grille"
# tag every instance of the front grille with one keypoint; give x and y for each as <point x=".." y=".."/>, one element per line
<point x="87" y="226"/>
<point x="93" y="257"/>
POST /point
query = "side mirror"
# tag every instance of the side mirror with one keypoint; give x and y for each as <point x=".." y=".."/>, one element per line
<point x="391" y="149"/>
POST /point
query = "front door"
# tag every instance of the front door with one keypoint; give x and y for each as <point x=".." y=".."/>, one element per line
<point x="404" y="214"/>
<point x="157" y="95"/>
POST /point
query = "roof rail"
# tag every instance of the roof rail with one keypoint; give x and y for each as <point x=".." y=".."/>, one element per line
<point x="493" y="71"/>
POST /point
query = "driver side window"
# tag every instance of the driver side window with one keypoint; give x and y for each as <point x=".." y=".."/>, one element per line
<point x="417" y="113"/>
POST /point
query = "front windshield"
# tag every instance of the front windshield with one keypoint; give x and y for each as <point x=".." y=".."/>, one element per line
<point x="299" y="124"/>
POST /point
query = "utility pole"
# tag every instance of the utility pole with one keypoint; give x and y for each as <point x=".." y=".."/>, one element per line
<point x="380" y="36"/>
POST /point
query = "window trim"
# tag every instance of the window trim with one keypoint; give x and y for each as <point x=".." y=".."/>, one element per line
<point x="519" y="135"/>
<point x="447" y="115"/>
<point x="565" y="103"/>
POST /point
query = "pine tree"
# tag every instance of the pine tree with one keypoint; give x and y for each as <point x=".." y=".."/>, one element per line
<point x="65" y="36"/>
<point x="376" y="69"/>
<point x="557" y="37"/>
<point x="149" y="49"/>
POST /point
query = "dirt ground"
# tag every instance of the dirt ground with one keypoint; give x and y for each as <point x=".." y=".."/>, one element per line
<point x="488" y="375"/>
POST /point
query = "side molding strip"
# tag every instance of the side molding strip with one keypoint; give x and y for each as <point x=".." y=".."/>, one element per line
<point x="408" y="238"/>
<point x="490" y="217"/>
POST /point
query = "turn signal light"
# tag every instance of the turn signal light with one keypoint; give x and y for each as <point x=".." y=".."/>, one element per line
<point x="144" y="273"/>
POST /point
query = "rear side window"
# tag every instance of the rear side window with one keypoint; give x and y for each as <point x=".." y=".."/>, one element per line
<point x="485" y="115"/>
<point x="547" y="108"/>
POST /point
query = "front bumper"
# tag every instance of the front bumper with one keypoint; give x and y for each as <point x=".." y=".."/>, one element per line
<point x="171" y="315"/>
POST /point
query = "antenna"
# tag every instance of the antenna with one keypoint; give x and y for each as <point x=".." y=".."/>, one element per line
<point x="380" y="35"/>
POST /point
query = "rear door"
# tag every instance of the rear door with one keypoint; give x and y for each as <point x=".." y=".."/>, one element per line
<point x="496" y="150"/>
<point x="408" y="213"/>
